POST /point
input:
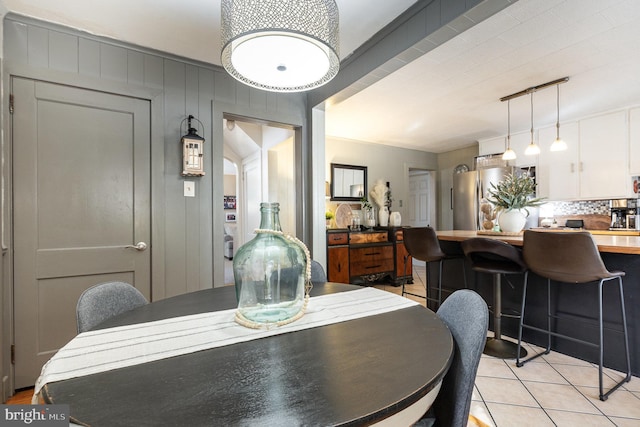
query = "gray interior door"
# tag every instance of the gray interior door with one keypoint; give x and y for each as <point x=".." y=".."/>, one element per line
<point x="81" y="195"/>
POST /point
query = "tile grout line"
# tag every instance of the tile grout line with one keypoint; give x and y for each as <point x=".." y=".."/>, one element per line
<point x="530" y="393"/>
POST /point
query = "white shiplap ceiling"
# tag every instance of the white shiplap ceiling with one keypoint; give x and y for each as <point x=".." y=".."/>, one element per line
<point x="446" y="99"/>
<point x="449" y="97"/>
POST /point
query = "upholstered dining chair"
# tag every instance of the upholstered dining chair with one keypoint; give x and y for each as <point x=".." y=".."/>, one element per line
<point x="318" y="275"/>
<point x="466" y="315"/>
<point x="105" y="300"/>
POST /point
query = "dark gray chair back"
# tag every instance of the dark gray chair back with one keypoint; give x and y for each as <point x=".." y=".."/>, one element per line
<point x="105" y="300"/>
<point x="318" y="275"/>
<point x="467" y="316"/>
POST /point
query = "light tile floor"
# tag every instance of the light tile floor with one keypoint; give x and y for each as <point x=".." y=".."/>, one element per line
<point x="553" y="390"/>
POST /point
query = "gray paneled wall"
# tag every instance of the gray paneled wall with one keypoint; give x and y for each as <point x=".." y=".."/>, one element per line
<point x="187" y="232"/>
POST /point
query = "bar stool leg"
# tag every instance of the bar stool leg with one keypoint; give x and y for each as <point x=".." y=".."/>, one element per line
<point x="428" y="285"/>
<point x="520" y="363"/>
<point x="496" y="346"/>
<point x="439" y="283"/>
<point x="404" y="281"/>
<point x="524" y="297"/>
<point x="627" y="378"/>
<point x="624" y="328"/>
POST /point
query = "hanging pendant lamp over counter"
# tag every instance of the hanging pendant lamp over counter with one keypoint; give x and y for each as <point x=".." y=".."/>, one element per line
<point x="533" y="148"/>
<point x="509" y="154"/>
<point x="281" y="45"/>
<point x="558" y="144"/>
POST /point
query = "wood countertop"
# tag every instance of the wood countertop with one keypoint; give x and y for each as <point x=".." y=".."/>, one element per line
<point x="612" y="243"/>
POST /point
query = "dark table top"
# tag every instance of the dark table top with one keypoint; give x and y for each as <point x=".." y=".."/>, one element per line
<point x="351" y="373"/>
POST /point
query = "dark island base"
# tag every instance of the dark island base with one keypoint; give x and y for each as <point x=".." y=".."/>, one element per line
<point x="576" y="306"/>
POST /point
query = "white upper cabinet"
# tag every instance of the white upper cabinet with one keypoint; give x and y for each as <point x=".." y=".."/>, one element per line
<point x="634" y="141"/>
<point x="604" y="169"/>
<point x="491" y="146"/>
<point x="557" y="172"/>
<point x="595" y="165"/>
<point x="519" y="143"/>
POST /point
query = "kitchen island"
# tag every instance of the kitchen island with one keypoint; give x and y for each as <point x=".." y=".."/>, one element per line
<point x="576" y="304"/>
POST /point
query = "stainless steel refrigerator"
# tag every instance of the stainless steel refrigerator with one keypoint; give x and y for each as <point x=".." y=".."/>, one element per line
<point x="469" y="194"/>
<point x="471" y="211"/>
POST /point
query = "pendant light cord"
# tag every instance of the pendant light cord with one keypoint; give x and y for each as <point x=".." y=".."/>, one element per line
<point x="558" y="110"/>
<point x="509" y="124"/>
<point x="532" y="118"/>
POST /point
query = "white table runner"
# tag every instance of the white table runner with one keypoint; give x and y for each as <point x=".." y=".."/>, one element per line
<point x="106" y="349"/>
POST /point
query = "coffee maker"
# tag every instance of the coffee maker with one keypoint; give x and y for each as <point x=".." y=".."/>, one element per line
<point x="624" y="214"/>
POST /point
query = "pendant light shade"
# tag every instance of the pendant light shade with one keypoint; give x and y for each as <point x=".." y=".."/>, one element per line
<point x="280" y="45"/>
<point x="532" y="149"/>
<point x="558" y="144"/>
<point x="509" y="154"/>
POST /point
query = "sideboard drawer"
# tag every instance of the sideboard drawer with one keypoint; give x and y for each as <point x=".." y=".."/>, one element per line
<point x="337" y="239"/>
<point x="371" y="260"/>
<point x="375" y="237"/>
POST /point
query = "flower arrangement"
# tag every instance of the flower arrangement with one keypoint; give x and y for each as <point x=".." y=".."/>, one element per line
<point x="514" y="192"/>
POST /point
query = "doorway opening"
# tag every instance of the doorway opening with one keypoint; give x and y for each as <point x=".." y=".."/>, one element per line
<point x="264" y="156"/>
<point x="422" y="196"/>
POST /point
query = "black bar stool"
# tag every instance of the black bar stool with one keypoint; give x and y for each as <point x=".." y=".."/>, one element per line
<point x="422" y="244"/>
<point x="570" y="258"/>
<point x="497" y="258"/>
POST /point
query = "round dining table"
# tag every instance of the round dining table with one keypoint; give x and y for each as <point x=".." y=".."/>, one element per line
<point x="386" y="369"/>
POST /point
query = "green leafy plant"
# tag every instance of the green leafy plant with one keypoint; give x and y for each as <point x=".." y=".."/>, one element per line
<point x="366" y="205"/>
<point x="329" y="215"/>
<point x="514" y="192"/>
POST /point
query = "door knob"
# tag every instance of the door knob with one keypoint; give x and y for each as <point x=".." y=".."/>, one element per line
<point x="140" y="246"/>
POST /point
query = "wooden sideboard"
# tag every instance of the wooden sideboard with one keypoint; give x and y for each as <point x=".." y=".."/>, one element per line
<point x="364" y="257"/>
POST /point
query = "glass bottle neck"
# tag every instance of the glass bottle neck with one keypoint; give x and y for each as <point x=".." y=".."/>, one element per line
<point x="270" y="216"/>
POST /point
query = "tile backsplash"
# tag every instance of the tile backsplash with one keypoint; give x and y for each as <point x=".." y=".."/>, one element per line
<point x="582" y="207"/>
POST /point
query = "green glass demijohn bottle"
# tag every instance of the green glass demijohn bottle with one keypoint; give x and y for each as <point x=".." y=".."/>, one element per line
<point x="270" y="274"/>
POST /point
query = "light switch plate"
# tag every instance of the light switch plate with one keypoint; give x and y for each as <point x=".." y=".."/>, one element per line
<point x="189" y="189"/>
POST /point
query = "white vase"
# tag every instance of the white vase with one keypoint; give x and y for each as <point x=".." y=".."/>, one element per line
<point x="383" y="216"/>
<point x="512" y="221"/>
<point x="395" y="219"/>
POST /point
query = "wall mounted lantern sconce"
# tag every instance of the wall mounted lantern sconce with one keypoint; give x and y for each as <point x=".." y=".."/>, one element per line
<point x="192" y="150"/>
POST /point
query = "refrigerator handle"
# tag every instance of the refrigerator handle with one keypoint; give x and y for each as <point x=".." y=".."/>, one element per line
<point x="451" y="197"/>
<point x="479" y="195"/>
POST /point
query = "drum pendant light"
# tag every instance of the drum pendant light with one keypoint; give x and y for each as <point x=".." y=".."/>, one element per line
<point x="280" y="45"/>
